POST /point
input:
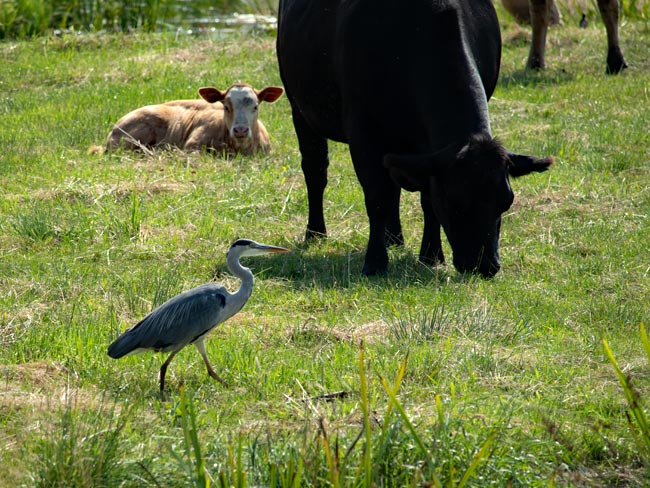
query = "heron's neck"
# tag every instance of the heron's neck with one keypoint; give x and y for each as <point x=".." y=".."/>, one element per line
<point x="241" y="296"/>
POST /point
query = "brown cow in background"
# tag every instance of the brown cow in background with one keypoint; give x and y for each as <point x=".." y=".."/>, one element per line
<point x="543" y="12"/>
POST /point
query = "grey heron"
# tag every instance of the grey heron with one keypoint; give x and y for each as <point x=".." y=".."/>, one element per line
<point x="187" y="318"/>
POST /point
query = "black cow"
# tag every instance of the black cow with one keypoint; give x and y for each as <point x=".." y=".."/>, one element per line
<point x="406" y="85"/>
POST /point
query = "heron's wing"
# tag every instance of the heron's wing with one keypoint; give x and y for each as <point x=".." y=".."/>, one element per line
<point x="176" y="323"/>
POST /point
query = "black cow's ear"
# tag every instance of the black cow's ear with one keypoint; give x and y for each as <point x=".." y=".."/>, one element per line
<point x="211" y="94"/>
<point x="521" y="164"/>
<point x="410" y="172"/>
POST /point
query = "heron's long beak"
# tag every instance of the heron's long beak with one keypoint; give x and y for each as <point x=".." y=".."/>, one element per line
<point x="272" y="249"/>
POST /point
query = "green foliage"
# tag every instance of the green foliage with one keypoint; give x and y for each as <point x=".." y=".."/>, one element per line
<point x="82" y="449"/>
<point x="193" y="462"/>
<point x="28" y="18"/>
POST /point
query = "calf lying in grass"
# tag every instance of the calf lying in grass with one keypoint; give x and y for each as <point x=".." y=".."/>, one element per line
<point x="232" y="125"/>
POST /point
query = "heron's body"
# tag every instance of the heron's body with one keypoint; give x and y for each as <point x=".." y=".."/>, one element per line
<point x="187" y="318"/>
<point x="194" y="313"/>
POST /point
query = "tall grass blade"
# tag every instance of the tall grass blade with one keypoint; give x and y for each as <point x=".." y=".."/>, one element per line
<point x="645" y="341"/>
<point x="642" y="437"/>
<point x="194" y="464"/>
<point x="365" y="408"/>
<point x="482" y="454"/>
<point x="331" y="459"/>
<point x="400" y="409"/>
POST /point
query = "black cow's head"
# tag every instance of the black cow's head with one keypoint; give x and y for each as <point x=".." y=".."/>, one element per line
<point x="469" y="190"/>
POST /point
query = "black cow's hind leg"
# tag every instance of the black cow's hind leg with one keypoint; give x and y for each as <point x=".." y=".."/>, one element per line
<point x="394" y="236"/>
<point x="431" y="249"/>
<point x="313" y="149"/>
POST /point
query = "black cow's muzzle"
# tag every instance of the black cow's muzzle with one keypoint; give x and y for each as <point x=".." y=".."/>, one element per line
<point x="486" y="267"/>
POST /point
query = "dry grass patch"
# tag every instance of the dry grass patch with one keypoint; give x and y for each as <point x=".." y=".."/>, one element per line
<point x="311" y="331"/>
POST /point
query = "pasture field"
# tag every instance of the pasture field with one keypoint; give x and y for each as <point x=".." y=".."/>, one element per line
<point x="434" y="377"/>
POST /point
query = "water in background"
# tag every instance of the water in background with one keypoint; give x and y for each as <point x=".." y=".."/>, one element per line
<point x="29" y="18"/>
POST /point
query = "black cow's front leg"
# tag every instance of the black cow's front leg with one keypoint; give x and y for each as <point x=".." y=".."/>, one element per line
<point x="431" y="249"/>
<point x="313" y="149"/>
<point x="380" y="199"/>
<point x="382" y="204"/>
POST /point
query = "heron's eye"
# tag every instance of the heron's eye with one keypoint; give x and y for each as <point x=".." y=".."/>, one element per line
<point x="226" y="108"/>
<point x="255" y="107"/>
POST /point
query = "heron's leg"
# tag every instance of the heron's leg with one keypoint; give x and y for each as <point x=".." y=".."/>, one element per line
<point x="163" y="369"/>
<point x="200" y="346"/>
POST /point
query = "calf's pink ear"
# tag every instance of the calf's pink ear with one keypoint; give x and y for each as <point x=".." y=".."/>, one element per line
<point x="269" y="94"/>
<point x="211" y="94"/>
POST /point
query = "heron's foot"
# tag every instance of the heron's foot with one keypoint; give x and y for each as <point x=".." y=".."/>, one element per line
<point x="214" y="375"/>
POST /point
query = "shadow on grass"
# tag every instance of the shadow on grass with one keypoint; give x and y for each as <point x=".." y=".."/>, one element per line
<point x="342" y="269"/>
<point x="534" y="78"/>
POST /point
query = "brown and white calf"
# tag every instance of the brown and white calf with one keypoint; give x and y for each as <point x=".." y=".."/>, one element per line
<point x="222" y="121"/>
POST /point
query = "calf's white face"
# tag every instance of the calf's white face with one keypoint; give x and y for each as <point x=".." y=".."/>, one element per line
<point x="241" y="108"/>
<point x="241" y="104"/>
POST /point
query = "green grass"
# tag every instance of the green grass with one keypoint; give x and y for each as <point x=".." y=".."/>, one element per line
<point x="505" y="381"/>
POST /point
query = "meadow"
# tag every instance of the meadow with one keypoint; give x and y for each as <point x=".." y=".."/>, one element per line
<point x="423" y="377"/>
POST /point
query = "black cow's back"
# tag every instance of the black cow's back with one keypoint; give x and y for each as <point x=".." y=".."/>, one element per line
<point x="401" y="65"/>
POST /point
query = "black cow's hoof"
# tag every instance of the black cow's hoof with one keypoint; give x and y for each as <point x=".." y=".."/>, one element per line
<point x="432" y="261"/>
<point x="393" y="240"/>
<point x="376" y="267"/>
<point x="368" y="271"/>
<point x="312" y="235"/>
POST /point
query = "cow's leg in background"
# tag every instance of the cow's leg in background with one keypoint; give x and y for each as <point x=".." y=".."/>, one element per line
<point x="315" y="161"/>
<point x="431" y="248"/>
<point x="540" y="14"/>
<point x="609" y="12"/>
<point x="540" y="17"/>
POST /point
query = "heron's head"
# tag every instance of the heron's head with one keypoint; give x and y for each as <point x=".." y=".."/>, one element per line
<point x="247" y="247"/>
